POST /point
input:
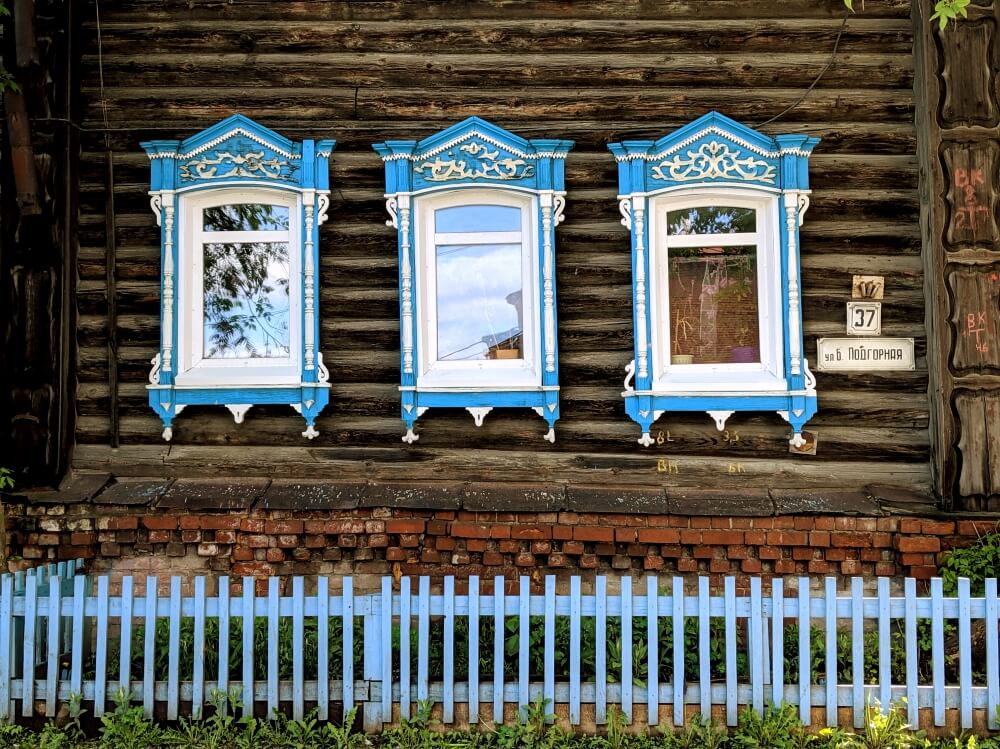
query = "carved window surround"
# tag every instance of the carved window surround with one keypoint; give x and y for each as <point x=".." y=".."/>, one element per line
<point x="477" y="164"/>
<point x="237" y="163"/>
<point x="715" y="161"/>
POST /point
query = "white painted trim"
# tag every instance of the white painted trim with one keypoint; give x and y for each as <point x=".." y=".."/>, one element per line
<point x="475" y="375"/>
<point x="757" y="377"/>
<point x="194" y="369"/>
<point x="718" y="131"/>
<point x="483" y="389"/>
<point x="469" y="135"/>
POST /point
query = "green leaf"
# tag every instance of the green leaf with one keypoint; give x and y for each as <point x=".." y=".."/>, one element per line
<point x="850" y="5"/>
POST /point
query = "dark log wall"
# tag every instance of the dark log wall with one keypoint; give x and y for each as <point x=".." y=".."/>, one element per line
<point x="594" y="71"/>
<point x="959" y="126"/>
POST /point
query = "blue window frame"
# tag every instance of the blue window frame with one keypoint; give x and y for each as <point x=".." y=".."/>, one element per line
<point x="475" y="208"/>
<point x="714" y="210"/>
<point x="239" y="209"/>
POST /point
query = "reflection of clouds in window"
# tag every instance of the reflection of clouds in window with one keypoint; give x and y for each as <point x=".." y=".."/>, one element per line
<point x="475" y="318"/>
<point x="476" y="218"/>
<point x="711" y="220"/>
<point x="246" y="217"/>
<point x="246" y="300"/>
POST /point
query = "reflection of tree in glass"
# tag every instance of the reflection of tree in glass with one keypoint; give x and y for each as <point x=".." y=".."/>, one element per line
<point x="711" y="220"/>
<point x="246" y="217"/>
<point x="246" y="313"/>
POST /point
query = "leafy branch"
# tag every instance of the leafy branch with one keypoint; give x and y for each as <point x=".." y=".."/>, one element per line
<point x="944" y="10"/>
<point x="6" y="78"/>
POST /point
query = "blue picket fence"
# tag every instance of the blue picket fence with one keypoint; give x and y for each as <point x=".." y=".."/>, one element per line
<point x="95" y="644"/>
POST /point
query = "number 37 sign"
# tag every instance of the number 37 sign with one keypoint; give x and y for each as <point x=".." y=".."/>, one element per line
<point x="864" y="318"/>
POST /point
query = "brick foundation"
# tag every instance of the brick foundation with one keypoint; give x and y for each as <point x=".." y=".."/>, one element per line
<point x="379" y="541"/>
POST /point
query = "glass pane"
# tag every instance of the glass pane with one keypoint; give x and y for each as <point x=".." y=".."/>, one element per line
<point x="711" y="219"/>
<point x="479" y="309"/>
<point x="246" y="217"/>
<point x="470" y="218"/>
<point x="246" y="300"/>
<point x="713" y="305"/>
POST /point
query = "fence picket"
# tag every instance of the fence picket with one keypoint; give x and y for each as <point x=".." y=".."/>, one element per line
<point x="678" y="654"/>
<point x="731" y="706"/>
<point x="79" y="627"/>
<point x="884" y="641"/>
<point x="830" y="604"/>
<point x="626" y="599"/>
<point x="778" y="641"/>
<point x="149" y="647"/>
<point x="499" y="605"/>
<point x="298" y="634"/>
<point x="524" y="644"/>
<point x="910" y="614"/>
<point x="222" y="683"/>
<point x="405" y="601"/>
<point x="601" y="649"/>
<point x="704" y="660"/>
<point x="347" y="652"/>
<point x="174" y="653"/>
<point x="323" y="646"/>
<point x="125" y="627"/>
<point x="805" y="652"/>
<point x="473" y="651"/>
<point x="549" y="677"/>
<point x="965" y="651"/>
<point x="756" y="645"/>
<point x="30" y="638"/>
<point x="53" y="643"/>
<point x="273" y="634"/>
<point x="249" y="591"/>
<point x="937" y="648"/>
<point x="198" y="671"/>
<point x="6" y="643"/>
<point x="424" y="637"/>
<point x="652" y="652"/>
<point x="575" y="609"/>
<point x="448" y="674"/>
<point x="858" y="651"/>
<point x="992" y="656"/>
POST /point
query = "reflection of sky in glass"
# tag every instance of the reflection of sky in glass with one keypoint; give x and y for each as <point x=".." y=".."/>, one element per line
<point x="246" y="300"/>
<point x="473" y="312"/>
<point x="711" y="220"/>
<point x="469" y="218"/>
<point x="246" y="217"/>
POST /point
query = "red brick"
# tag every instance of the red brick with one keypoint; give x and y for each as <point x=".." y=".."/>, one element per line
<point x="436" y="527"/>
<point x="768" y="552"/>
<point x="722" y="538"/>
<point x="573" y="547"/>
<point x="123" y="524"/>
<point x="190" y="537"/>
<point x="562" y="532"/>
<point x="558" y="560"/>
<point x="636" y="550"/>
<point x="541" y="547"/>
<point x="885" y="569"/>
<point x="881" y="540"/>
<point x="937" y="527"/>
<point x="408" y="525"/>
<point x="257" y="542"/>
<point x="347" y="541"/>
<point x="219" y="522"/>
<point x="524" y="559"/>
<point x="409" y="540"/>
<point x="820" y="567"/>
<point x="916" y="559"/>
<point x="922" y="572"/>
<point x="441" y="543"/>
<point x="460" y="558"/>
<point x="819" y="538"/>
<point x="159" y="537"/>
<point x="315" y="542"/>
<point x="924" y="544"/>
<point x="704" y="552"/>
<point x="469" y="530"/>
<point x="499" y="531"/>
<point x="589" y="561"/>
<point x="251" y="525"/>
<point x="252" y="569"/>
<point x="82" y="539"/>
<point x="225" y="537"/>
<point x="395" y="554"/>
<point x="110" y="549"/>
<point x="531" y="532"/>
<point x="871" y="555"/>
<point x="868" y="525"/>
<point x="788" y="538"/>
<point x="784" y="567"/>
<point x="803" y="553"/>
<point x="287" y="542"/>
<point x="48" y="539"/>
<point x="690" y="537"/>
<point x="284" y="527"/>
<point x="159" y="523"/>
<point x="754" y="538"/>
<point x="492" y="559"/>
<point x="378" y="541"/>
<point x="274" y="555"/>
<point x="658" y="536"/>
<point x="909" y="525"/>
<point x="737" y="552"/>
<point x="653" y="564"/>
<point x="750" y="566"/>
<point x="476" y="544"/>
<point x="687" y="565"/>
<point x="591" y="533"/>
<point x="242" y="554"/>
<point x="849" y="539"/>
<point x="836" y="555"/>
<point x="824" y="524"/>
<point x="430" y="556"/>
<point x="976" y="527"/>
<point x="850" y="567"/>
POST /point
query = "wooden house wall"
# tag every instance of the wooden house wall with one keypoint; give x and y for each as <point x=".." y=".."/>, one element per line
<point x="590" y="70"/>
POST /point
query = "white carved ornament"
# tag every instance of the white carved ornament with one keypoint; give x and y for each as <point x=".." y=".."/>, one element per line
<point x="154" y="373"/>
<point x="484" y="164"/>
<point x="714" y="160"/>
<point x="240" y="165"/>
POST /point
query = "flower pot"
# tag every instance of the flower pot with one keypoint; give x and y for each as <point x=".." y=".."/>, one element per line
<point x="506" y="353"/>
<point x="744" y="354"/>
<point x="682" y="359"/>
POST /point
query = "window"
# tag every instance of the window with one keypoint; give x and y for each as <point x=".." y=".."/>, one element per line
<point x="475" y="208"/>
<point x="239" y="208"/>
<point x="714" y="210"/>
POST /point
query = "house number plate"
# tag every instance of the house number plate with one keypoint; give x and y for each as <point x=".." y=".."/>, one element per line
<point x="864" y="318"/>
<point x="864" y="354"/>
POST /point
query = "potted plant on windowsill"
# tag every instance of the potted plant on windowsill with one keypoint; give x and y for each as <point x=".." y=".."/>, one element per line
<point x="682" y="331"/>
<point x="742" y="353"/>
